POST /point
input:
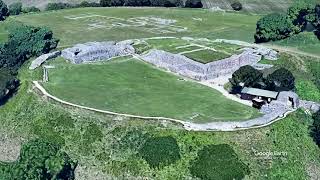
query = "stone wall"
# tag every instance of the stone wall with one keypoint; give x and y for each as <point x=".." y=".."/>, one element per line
<point x="94" y="51"/>
<point x="195" y="70"/>
<point x="43" y="58"/>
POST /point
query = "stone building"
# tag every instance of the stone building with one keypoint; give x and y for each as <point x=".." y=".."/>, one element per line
<point x="93" y="51"/>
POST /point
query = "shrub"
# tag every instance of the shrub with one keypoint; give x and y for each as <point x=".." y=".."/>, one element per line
<point x="117" y="2"/>
<point x="273" y="27"/>
<point x="281" y="80"/>
<point x="167" y="3"/>
<point x="237" y="6"/>
<point x="4" y="12"/>
<point x="57" y="6"/>
<point x="30" y="9"/>
<point x="40" y="160"/>
<point x="218" y="162"/>
<point x="24" y="42"/>
<point x="193" y="4"/>
<point x="8" y="84"/>
<point x="160" y="151"/>
<point x="105" y="3"/>
<point x="315" y="129"/>
<point x="137" y="3"/>
<point x="15" y="8"/>
<point x="300" y="14"/>
<point x="247" y="75"/>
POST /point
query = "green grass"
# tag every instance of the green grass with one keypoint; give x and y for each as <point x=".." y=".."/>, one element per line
<point x="115" y="150"/>
<point x="206" y="56"/>
<point x="213" y="25"/>
<point x="305" y="41"/>
<point x="134" y="87"/>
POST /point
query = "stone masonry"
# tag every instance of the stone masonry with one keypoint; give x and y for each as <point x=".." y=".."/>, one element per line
<point x="93" y="51"/>
<point x="198" y="71"/>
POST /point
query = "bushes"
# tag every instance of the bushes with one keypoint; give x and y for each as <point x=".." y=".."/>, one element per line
<point x="300" y="14"/>
<point x="4" y="12"/>
<point x="40" y="160"/>
<point x="24" y="42"/>
<point x="15" y="8"/>
<point x="160" y="151"/>
<point x="30" y="9"/>
<point x="57" y="6"/>
<point x="218" y="162"/>
<point x="105" y="3"/>
<point x="315" y="129"/>
<point x="237" y="6"/>
<point x="280" y="26"/>
<point x="247" y="75"/>
<point x="193" y="4"/>
<point x="8" y="84"/>
<point x="281" y="80"/>
<point x="273" y="27"/>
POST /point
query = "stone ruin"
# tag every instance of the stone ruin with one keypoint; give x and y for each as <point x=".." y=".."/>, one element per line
<point x="93" y="51"/>
<point x="267" y="53"/>
<point x="187" y="67"/>
<point x="43" y="58"/>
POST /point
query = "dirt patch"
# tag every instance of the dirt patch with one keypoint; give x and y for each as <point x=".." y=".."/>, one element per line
<point x="313" y="171"/>
<point x="9" y="147"/>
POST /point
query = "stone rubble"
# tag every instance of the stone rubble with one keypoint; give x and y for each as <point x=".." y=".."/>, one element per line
<point x="43" y="58"/>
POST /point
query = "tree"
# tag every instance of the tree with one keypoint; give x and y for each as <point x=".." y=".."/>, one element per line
<point x="160" y="151"/>
<point x="315" y="129"/>
<point x="237" y="6"/>
<point x="105" y="3"/>
<point x="137" y="3"/>
<point x="4" y="12"/>
<point x="273" y="27"/>
<point x="15" y="8"/>
<point x="193" y="4"/>
<point x="40" y="159"/>
<point x="23" y="42"/>
<point x="30" y="9"/>
<point x="117" y="2"/>
<point x="8" y="83"/>
<point x="247" y="75"/>
<point x="281" y="80"/>
<point x="215" y="162"/>
<point x="300" y="14"/>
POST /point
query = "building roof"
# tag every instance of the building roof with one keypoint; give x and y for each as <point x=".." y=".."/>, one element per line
<point x="259" y="92"/>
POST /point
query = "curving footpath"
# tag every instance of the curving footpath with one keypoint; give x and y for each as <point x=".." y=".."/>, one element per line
<point x="278" y="112"/>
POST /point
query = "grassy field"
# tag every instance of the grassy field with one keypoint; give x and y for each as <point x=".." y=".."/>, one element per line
<point x="130" y="86"/>
<point x="206" y="56"/>
<point x="86" y="28"/>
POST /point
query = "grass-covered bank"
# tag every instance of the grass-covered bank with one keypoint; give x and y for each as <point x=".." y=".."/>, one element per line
<point x="111" y="145"/>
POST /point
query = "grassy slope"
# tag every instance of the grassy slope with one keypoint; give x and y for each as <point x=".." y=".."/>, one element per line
<point x="131" y="86"/>
<point x="110" y="147"/>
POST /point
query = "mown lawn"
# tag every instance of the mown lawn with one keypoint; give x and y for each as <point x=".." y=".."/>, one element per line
<point x="71" y="31"/>
<point x="206" y="56"/>
<point x="134" y="87"/>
